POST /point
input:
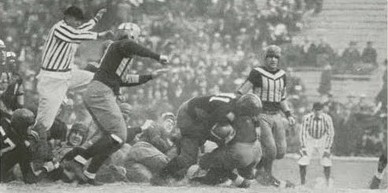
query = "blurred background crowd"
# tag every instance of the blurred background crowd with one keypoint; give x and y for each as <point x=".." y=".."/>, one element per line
<point x="213" y="44"/>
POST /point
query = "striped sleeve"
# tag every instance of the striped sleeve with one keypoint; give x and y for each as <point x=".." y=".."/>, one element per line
<point x="135" y="80"/>
<point x="303" y="130"/>
<point x="330" y="131"/>
<point x="70" y="34"/>
<point x="88" y="25"/>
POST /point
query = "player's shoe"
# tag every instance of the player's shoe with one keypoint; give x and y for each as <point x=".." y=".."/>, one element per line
<point x="281" y="183"/>
<point x="158" y="180"/>
<point x="244" y="184"/>
<point x="89" y="181"/>
<point x="375" y="184"/>
<point x="74" y="167"/>
<point x="119" y="173"/>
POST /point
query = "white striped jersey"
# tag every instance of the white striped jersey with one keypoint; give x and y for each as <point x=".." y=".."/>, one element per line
<point x="270" y="87"/>
<point x="62" y="43"/>
<point x="317" y="127"/>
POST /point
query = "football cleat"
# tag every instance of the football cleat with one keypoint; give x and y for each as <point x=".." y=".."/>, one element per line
<point x="375" y="184"/>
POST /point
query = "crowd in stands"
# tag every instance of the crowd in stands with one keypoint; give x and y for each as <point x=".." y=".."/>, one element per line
<point x="322" y="55"/>
<point x="213" y="44"/>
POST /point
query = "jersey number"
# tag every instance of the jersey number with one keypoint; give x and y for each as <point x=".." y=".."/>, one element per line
<point x="7" y="144"/>
<point x="223" y="97"/>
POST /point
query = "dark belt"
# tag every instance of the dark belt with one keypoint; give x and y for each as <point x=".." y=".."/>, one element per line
<point x="59" y="70"/>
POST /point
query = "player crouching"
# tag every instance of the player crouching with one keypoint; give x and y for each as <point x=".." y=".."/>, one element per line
<point x="242" y="153"/>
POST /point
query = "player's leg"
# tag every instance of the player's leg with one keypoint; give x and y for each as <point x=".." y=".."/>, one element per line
<point x="375" y="184"/>
<point x="268" y="144"/>
<point x="249" y="171"/>
<point x="51" y="92"/>
<point x="325" y="161"/>
<point x="279" y="133"/>
<point x="188" y="156"/>
<point x="304" y="161"/>
<point x="80" y="79"/>
<point x="188" y="145"/>
<point x="102" y="105"/>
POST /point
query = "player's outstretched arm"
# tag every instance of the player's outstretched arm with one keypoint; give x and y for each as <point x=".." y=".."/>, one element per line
<point x="130" y="48"/>
<point x="135" y="79"/>
<point x="92" y="22"/>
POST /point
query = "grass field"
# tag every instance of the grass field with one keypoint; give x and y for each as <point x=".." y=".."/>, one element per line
<point x="349" y="175"/>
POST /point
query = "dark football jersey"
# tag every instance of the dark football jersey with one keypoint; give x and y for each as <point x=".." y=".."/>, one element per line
<point x="14" y="150"/>
<point x="115" y="64"/>
<point x="212" y="109"/>
<point x="245" y="130"/>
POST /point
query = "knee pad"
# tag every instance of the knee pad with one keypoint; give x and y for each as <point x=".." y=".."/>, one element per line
<point x="116" y="141"/>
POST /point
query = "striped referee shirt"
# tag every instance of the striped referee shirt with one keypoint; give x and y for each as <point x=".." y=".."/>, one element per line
<point x="62" y="43"/>
<point x="269" y="86"/>
<point x="317" y="127"/>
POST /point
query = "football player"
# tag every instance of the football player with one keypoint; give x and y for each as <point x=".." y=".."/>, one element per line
<point x="198" y="119"/>
<point x="11" y="87"/>
<point x="100" y="99"/>
<point x="242" y="153"/>
<point x="18" y="144"/>
<point x="269" y="84"/>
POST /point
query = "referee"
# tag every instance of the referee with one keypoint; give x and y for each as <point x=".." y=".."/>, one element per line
<point x="57" y="74"/>
<point x="316" y="134"/>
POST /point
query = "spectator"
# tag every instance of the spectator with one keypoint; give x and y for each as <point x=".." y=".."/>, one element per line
<point x="309" y="53"/>
<point x="369" y="54"/>
<point x="351" y="56"/>
<point x="324" y="52"/>
<point x="326" y="77"/>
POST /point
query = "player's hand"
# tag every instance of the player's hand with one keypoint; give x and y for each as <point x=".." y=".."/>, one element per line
<point x="50" y="166"/>
<point x="326" y="153"/>
<point x="291" y="120"/>
<point x="164" y="59"/>
<point x="303" y="152"/>
<point x="157" y="73"/>
<point x="100" y="13"/>
<point x="147" y="124"/>
<point x="33" y="134"/>
<point x="105" y="34"/>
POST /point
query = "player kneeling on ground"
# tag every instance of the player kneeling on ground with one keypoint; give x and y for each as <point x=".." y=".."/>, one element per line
<point x="316" y="134"/>
<point x="196" y="118"/>
<point x="243" y="153"/>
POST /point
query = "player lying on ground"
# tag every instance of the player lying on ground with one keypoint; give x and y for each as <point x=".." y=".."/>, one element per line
<point x="196" y="119"/>
<point x="243" y="153"/>
<point x="100" y="99"/>
<point x="18" y="146"/>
